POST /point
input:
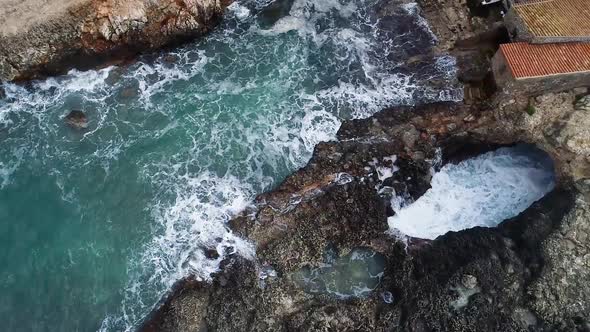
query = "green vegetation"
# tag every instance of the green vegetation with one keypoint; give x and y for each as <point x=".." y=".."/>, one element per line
<point x="530" y="109"/>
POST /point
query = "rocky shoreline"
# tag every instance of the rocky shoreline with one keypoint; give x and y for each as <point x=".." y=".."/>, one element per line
<point x="43" y="38"/>
<point x="514" y="271"/>
<point x="529" y="273"/>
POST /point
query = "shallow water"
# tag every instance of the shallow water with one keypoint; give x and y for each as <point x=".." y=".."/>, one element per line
<point x="481" y="191"/>
<point x="356" y="274"/>
<point x="96" y="225"/>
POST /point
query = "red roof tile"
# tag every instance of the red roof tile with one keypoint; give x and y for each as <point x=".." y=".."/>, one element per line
<point x="533" y="60"/>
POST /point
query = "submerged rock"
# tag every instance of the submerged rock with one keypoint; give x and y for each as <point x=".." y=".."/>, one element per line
<point x="356" y="274"/>
<point x="77" y="119"/>
<point x="60" y="35"/>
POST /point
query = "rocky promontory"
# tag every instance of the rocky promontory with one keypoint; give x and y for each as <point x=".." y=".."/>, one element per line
<point x="330" y="219"/>
<point x="46" y="37"/>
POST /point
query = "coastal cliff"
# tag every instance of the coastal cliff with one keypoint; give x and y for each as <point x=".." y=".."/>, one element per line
<point x="40" y="38"/>
<point x="519" y="276"/>
<point x="489" y="279"/>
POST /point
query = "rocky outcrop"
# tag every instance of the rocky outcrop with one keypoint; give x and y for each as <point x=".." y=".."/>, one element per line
<point x="561" y="291"/>
<point x="528" y="274"/>
<point x="483" y="279"/>
<point x="39" y="38"/>
<point x="556" y="122"/>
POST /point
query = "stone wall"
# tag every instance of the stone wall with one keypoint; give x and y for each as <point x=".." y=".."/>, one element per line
<point x="549" y="84"/>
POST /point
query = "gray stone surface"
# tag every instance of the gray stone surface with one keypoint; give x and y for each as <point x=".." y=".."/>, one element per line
<point x="562" y="288"/>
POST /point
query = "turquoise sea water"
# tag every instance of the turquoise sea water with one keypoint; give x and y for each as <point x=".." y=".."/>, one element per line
<point x="96" y="225"/>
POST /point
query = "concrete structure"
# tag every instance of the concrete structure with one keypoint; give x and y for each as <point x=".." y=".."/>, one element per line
<point x="549" y="21"/>
<point x="540" y="68"/>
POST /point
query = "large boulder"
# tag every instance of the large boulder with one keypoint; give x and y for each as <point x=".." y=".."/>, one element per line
<point x="39" y="38"/>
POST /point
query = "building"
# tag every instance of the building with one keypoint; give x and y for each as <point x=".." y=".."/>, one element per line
<point x="550" y="51"/>
<point x="540" y="68"/>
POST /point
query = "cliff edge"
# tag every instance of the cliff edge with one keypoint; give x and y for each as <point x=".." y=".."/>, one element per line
<point x="47" y="37"/>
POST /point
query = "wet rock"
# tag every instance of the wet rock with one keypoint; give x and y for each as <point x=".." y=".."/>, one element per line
<point x="184" y="310"/>
<point x="274" y="11"/>
<point x="170" y="58"/>
<point x="211" y="253"/>
<point x="77" y="119"/>
<point x="468" y="281"/>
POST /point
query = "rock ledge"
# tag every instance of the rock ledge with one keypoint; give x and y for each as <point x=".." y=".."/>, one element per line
<point x="47" y="37"/>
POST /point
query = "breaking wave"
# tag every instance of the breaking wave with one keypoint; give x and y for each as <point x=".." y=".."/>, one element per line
<point x="482" y="191"/>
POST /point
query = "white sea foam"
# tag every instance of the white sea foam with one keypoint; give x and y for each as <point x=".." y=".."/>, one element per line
<point x="305" y="14"/>
<point x="216" y="122"/>
<point x="241" y="12"/>
<point x="482" y="191"/>
<point x="413" y="9"/>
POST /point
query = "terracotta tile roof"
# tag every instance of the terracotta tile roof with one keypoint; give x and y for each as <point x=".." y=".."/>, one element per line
<point x="556" y="18"/>
<point x="534" y="60"/>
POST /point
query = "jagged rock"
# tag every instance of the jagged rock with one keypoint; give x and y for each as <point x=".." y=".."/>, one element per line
<point x="468" y="281"/>
<point x="211" y="253"/>
<point x="59" y="35"/>
<point x="558" y="124"/>
<point x="77" y="119"/>
<point x="184" y="312"/>
<point x="561" y="289"/>
<point x="475" y="279"/>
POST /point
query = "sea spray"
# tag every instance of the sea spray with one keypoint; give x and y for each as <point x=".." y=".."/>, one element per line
<point x="481" y="191"/>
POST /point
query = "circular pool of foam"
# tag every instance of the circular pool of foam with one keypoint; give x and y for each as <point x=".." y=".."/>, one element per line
<point x="480" y="191"/>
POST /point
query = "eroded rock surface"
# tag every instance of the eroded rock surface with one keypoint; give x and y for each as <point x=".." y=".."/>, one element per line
<point x="481" y="279"/>
<point x="44" y="37"/>
<point x="528" y="274"/>
<point x="561" y="289"/>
